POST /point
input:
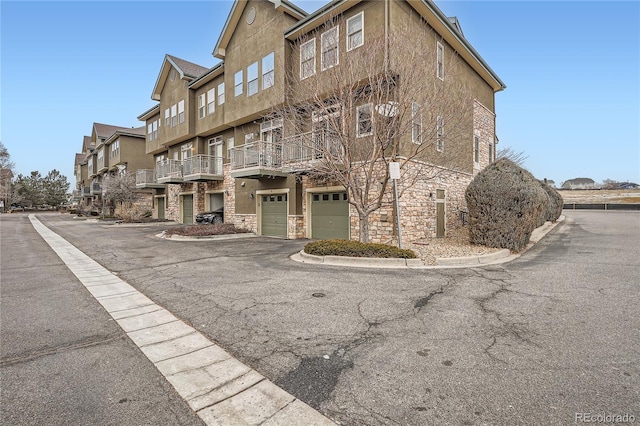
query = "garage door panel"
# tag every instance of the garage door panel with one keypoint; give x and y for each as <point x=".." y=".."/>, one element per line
<point x="274" y="215"/>
<point x="187" y="209"/>
<point x="330" y="216"/>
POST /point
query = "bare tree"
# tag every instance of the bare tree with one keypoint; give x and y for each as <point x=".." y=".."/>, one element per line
<point x="518" y="157"/>
<point x="118" y="188"/>
<point x="383" y="103"/>
<point x="6" y="176"/>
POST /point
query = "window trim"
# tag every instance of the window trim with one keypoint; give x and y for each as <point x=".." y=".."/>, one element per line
<point x="221" y="93"/>
<point x="167" y="117"/>
<point x="211" y="101"/>
<point x="349" y="34"/>
<point x="360" y="108"/>
<point x="476" y="148"/>
<point x="181" y="112"/>
<point x="252" y="77"/>
<point x="323" y="66"/>
<point x="416" y="123"/>
<point x="311" y="58"/>
<point x="439" y="60"/>
<point x="439" y="133"/>
<point x="202" y="106"/>
<point x="238" y="83"/>
<point x="174" y="115"/>
<point x="268" y="74"/>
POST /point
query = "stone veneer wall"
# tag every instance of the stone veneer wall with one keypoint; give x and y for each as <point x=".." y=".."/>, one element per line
<point x="142" y="204"/>
<point x="484" y="126"/>
<point x="296" y="227"/>
<point x="172" y="202"/>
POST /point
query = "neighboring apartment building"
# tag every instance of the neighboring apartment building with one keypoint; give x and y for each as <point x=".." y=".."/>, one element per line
<point x="109" y="150"/>
<point x="215" y="142"/>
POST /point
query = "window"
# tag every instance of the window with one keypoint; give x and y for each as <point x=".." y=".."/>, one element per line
<point x="364" y="124"/>
<point x="155" y="129"/>
<point x="476" y="148"/>
<point x="238" y="83"/>
<point x="329" y="42"/>
<point x="267" y="71"/>
<point x="115" y="149"/>
<point x="252" y="79"/>
<point x="186" y="150"/>
<point x="215" y="146"/>
<point x="440" y="61"/>
<point x="355" y="33"/>
<point x="149" y="132"/>
<point x="440" y="134"/>
<point x="220" y="93"/>
<point x="167" y="120"/>
<point x="230" y="145"/>
<point x="211" y="101"/>
<point x="174" y="115"/>
<point x="201" y="106"/>
<point x="307" y="59"/>
<point x="416" y="123"/>
<point x="490" y="153"/>
<point x="180" y="112"/>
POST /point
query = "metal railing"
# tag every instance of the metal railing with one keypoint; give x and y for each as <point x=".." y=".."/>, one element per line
<point x="145" y="176"/>
<point x="169" y="169"/>
<point x="202" y="164"/>
<point x="299" y="149"/>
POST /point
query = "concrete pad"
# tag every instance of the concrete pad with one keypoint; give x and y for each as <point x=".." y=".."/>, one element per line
<point x="120" y="303"/>
<point x="134" y="311"/>
<point x="100" y="279"/>
<point x="160" y="333"/>
<point x="146" y="320"/>
<point x="226" y="390"/>
<point x="298" y="413"/>
<point x="251" y="407"/>
<point x="105" y="290"/>
<point x="191" y="361"/>
<point x="194" y="383"/>
<point x="176" y="347"/>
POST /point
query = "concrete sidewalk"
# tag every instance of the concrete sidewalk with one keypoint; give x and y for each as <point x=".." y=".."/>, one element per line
<point x="219" y="388"/>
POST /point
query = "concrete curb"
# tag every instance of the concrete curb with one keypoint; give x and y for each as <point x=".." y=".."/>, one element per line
<point x="358" y="262"/>
<point x="219" y="389"/>
<point x="500" y="256"/>
<point x="205" y="237"/>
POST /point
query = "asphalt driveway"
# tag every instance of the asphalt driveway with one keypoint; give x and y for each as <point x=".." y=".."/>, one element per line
<point x="533" y="341"/>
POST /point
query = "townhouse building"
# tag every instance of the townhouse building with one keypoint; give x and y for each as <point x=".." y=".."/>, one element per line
<point x="221" y="137"/>
<point x="110" y="150"/>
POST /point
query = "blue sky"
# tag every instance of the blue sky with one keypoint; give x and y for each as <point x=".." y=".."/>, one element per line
<point x="572" y="71"/>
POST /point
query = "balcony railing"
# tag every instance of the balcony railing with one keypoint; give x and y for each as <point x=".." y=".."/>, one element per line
<point x="169" y="171"/>
<point x="146" y="178"/>
<point x="86" y="190"/>
<point x="294" y="153"/>
<point x="201" y="166"/>
<point x="96" y="188"/>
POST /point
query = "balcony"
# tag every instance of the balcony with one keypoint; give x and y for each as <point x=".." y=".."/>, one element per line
<point x="256" y="159"/>
<point x="146" y="178"/>
<point x="169" y="171"/>
<point x="294" y="154"/>
<point x="202" y="168"/>
<point x="96" y="188"/>
<point x="86" y="191"/>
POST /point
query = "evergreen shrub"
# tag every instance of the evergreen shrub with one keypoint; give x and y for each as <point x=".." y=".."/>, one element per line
<point x="505" y="205"/>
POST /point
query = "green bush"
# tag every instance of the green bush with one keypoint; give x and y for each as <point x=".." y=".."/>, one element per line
<point x="506" y="203"/>
<point x="554" y="207"/>
<point x="356" y="249"/>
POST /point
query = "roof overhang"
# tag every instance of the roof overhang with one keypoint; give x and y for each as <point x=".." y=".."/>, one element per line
<point x="208" y="76"/>
<point x="149" y="113"/>
<point x="219" y="51"/>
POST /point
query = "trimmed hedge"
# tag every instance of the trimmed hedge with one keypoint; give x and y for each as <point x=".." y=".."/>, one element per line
<point x="205" y="230"/>
<point x="506" y="203"/>
<point x="356" y="249"/>
<point x="554" y="207"/>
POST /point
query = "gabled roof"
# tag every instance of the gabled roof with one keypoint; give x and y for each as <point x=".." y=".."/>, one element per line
<point x="150" y="112"/>
<point x="86" y="143"/>
<point x="103" y="131"/>
<point x="187" y="70"/>
<point x="79" y="159"/>
<point x="219" y="51"/>
<point x="208" y="76"/>
<point x="136" y="132"/>
<point x="448" y="28"/>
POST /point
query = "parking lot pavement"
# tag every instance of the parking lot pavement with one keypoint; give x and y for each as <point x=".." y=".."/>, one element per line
<point x="532" y="341"/>
<point x="219" y="388"/>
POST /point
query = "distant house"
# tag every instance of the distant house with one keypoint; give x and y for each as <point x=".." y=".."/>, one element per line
<point x="549" y="182"/>
<point x="579" y="183"/>
<point x="629" y="185"/>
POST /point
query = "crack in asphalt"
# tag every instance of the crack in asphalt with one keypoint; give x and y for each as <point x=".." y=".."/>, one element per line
<point x="72" y="346"/>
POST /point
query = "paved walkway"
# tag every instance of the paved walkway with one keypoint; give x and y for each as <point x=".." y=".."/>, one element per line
<point x="219" y="388"/>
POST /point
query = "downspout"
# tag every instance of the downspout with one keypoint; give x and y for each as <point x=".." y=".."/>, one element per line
<point x="386" y="36"/>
